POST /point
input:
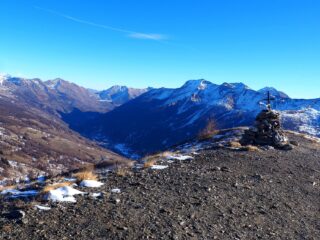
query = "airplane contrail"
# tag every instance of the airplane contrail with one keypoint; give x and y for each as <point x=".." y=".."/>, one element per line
<point x="132" y="34"/>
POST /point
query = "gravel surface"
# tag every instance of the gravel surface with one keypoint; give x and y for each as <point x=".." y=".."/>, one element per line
<point x="220" y="194"/>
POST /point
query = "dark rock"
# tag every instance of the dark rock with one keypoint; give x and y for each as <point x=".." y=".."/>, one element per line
<point x="225" y="169"/>
<point x="294" y="143"/>
<point x="15" y="215"/>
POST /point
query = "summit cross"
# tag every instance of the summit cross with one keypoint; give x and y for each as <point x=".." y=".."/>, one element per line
<point x="269" y="99"/>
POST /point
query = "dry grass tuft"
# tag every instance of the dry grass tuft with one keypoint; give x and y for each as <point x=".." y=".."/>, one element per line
<point x="149" y="162"/>
<point x="2" y="188"/>
<point x="234" y="144"/>
<point x="85" y="175"/>
<point x="251" y="148"/>
<point x="7" y="228"/>
<point x="167" y="154"/>
<point x="48" y="188"/>
<point x="122" y="171"/>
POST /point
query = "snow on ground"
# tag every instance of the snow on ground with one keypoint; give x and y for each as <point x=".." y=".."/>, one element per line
<point x="63" y="194"/>
<point x="44" y="208"/>
<point x="138" y="166"/>
<point x="14" y="193"/>
<point x="116" y="190"/>
<point x="70" y="179"/>
<point x="180" y="157"/>
<point x="90" y="183"/>
<point x="304" y="120"/>
<point x="159" y="167"/>
<point x="41" y="179"/>
<point x="96" y="195"/>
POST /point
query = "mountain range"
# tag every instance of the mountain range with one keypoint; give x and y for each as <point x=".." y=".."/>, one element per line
<point x="134" y="122"/>
<point x="164" y="117"/>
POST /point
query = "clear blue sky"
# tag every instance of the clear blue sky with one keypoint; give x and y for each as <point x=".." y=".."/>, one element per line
<point x="158" y="43"/>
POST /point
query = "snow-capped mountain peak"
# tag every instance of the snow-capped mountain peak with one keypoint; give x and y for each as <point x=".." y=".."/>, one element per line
<point x="3" y="77"/>
<point x="274" y="92"/>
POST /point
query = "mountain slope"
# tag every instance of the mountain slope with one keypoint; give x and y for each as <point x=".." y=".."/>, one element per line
<point x="163" y="117"/>
<point x="33" y="138"/>
<point x="32" y="141"/>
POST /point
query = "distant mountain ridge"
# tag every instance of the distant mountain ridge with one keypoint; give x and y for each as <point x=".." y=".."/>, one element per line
<point x="61" y="95"/>
<point x="163" y="117"/>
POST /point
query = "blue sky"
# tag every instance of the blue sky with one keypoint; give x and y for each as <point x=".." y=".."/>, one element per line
<point x="158" y="43"/>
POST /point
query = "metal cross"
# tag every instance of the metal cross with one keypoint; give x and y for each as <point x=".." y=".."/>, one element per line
<point x="269" y="99"/>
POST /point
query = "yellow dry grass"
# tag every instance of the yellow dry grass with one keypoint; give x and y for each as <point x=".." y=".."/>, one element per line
<point x="85" y="175"/>
<point x="234" y="144"/>
<point x="2" y="188"/>
<point x="251" y="148"/>
<point x="149" y="163"/>
<point x="122" y="172"/>
<point x="48" y="188"/>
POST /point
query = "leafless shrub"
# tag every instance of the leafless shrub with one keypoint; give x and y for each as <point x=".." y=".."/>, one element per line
<point x="209" y="131"/>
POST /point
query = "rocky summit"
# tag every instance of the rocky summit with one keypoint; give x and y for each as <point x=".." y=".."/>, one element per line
<point x="219" y="191"/>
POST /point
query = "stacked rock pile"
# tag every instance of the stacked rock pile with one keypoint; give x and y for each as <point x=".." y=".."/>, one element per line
<point x="267" y="131"/>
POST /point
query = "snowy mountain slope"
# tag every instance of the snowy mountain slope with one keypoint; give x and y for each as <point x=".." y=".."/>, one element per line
<point x="120" y="94"/>
<point x="164" y="117"/>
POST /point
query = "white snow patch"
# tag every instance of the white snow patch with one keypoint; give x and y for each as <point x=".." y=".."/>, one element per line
<point x="180" y="157"/>
<point x="159" y="167"/>
<point x="116" y="190"/>
<point x="70" y="179"/>
<point x="63" y="194"/>
<point x="138" y="166"/>
<point x="96" y="195"/>
<point x="90" y="183"/>
<point x="41" y="178"/>
<point x="44" y="208"/>
<point x="19" y="194"/>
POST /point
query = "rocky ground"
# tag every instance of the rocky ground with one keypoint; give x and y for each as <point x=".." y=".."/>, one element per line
<point x="220" y="194"/>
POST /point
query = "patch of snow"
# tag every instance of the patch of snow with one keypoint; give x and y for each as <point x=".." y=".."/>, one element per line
<point x="116" y="190"/>
<point x="159" y="167"/>
<point x="3" y="77"/>
<point x="180" y="157"/>
<point x="44" y="208"/>
<point x="41" y="178"/>
<point x="306" y="120"/>
<point x="63" y="194"/>
<point x="138" y="166"/>
<point x="19" y="194"/>
<point x="91" y="183"/>
<point x="96" y="195"/>
<point x="70" y="179"/>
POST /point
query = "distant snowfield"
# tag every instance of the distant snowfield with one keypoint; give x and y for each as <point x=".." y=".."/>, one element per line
<point x="305" y="120"/>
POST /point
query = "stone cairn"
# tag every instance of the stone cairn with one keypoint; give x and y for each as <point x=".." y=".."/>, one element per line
<point x="267" y="131"/>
